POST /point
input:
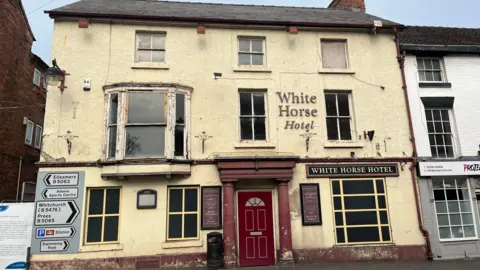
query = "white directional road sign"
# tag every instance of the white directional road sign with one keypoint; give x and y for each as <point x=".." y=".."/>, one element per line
<point x="60" y="193"/>
<point x="61" y="179"/>
<point x="54" y="245"/>
<point x="55" y="212"/>
<point x="55" y="232"/>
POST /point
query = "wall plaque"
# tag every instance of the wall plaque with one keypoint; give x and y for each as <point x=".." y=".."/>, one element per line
<point x="310" y="200"/>
<point x="352" y="170"/>
<point x="211" y="208"/>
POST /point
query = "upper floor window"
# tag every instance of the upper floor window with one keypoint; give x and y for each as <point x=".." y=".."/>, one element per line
<point x="147" y="123"/>
<point x="37" y="75"/>
<point x="252" y="116"/>
<point x="29" y="132"/>
<point x="430" y="70"/>
<point x="38" y="136"/>
<point x="440" y="132"/>
<point x="150" y="47"/>
<point x="334" y="54"/>
<point x="339" y="117"/>
<point x="251" y="51"/>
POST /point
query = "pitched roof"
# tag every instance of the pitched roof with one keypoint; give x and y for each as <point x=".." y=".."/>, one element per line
<point x="428" y="35"/>
<point x="218" y="13"/>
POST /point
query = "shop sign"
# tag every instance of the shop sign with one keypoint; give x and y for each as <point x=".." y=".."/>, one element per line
<point x="445" y="168"/>
<point x="310" y="200"/>
<point x="352" y="170"/>
<point x="211" y="208"/>
<point x="58" y="203"/>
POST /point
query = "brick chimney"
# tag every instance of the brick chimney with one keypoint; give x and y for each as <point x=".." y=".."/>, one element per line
<point x="353" y="4"/>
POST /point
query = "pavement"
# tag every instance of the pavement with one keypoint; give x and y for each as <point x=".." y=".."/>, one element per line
<point x="470" y="264"/>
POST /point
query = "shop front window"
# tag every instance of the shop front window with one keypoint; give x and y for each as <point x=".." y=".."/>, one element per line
<point x="361" y="211"/>
<point x="454" y="209"/>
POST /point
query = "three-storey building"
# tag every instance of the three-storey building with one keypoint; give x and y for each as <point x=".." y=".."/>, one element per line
<point x="283" y="128"/>
<point x="441" y="69"/>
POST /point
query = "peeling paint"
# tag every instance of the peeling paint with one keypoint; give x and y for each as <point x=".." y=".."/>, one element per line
<point x="49" y="158"/>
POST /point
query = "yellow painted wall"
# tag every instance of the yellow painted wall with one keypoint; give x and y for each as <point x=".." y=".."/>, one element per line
<point x="294" y="62"/>
<point x="105" y="54"/>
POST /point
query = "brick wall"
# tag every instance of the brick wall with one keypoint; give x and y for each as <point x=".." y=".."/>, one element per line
<point x="17" y="90"/>
<point x="360" y="4"/>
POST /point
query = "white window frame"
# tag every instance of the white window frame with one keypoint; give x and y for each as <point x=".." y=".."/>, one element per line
<point x="474" y="215"/>
<point x="338" y="117"/>
<point x="29" y="137"/>
<point x="38" y="143"/>
<point x="265" y="100"/>
<point x="35" y="73"/>
<point x="347" y="59"/>
<point x="169" y="151"/>
<point x="452" y="131"/>
<point x="263" y="53"/>
<point x="151" y="34"/>
<point x="442" y="69"/>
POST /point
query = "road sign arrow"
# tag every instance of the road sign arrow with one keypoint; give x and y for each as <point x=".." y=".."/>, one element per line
<point x="75" y="212"/>
<point x="47" y="179"/>
<point x="72" y="231"/>
<point x="44" y="194"/>
<point x="66" y="245"/>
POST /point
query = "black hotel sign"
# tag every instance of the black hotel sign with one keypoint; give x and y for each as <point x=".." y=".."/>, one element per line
<point x="351" y="170"/>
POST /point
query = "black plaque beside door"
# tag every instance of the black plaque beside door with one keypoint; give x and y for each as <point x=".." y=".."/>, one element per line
<point x="310" y="202"/>
<point x="212" y="208"/>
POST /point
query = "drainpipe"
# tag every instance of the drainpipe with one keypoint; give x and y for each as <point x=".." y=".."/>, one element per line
<point x="401" y="62"/>
<point x="19" y="176"/>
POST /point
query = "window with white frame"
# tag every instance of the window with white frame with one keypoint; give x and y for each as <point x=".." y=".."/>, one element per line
<point x="29" y="132"/>
<point x="251" y="51"/>
<point x="147" y="123"/>
<point x="440" y="132"/>
<point x="252" y="116"/>
<point x="38" y="136"/>
<point x="339" y="116"/>
<point x="430" y="70"/>
<point x="334" y="54"/>
<point x="454" y="208"/>
<point x="37" y="75"/>
<point x="150" y="47"/>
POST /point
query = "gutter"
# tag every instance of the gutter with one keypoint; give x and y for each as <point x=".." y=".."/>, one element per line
<point x="56" y="14"/>
<point x="401" y="62"/>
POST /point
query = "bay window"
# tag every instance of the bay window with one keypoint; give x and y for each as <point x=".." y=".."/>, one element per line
<point x="146" y="123"/>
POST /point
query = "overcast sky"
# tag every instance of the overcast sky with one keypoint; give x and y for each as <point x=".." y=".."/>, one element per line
<point x="456" y="13"/>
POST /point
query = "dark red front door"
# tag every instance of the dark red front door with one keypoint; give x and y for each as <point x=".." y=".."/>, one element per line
<point x="255" y="229"/>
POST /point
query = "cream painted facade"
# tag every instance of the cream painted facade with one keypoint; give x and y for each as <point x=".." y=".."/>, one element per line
<point x="105" y="53"/>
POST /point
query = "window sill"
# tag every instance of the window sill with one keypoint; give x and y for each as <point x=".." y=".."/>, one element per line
<point x="101" y="247"/>
<point x="254" y="145"/>
<point x="182" y="244"/>
<point x="345" y="144"/>
<point x="459" y="240"/>
<point x="335" y="71"/>
<point x="146" y="65"/>
<point x="434" y="85"/>
<point x="254" y="69"/>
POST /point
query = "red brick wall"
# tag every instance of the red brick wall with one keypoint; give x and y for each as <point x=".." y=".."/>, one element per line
<point x="360" y="4"/>
<point x="17" y="90"/>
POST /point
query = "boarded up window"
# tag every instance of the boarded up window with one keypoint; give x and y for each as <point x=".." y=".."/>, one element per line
<point x="334" y="54"/>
